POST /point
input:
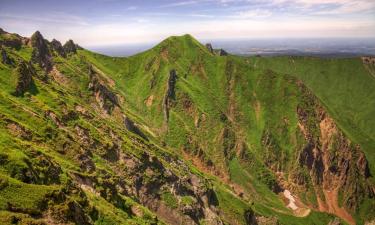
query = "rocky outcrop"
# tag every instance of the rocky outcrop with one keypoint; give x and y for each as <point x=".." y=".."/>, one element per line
<point x="148" y="179"/>
<point x="104" y="96"/>
<point x="70" y="47"/>
<point x="130" y="126"/>
<point x="37" y="168"/>
<point x="219" y="52"/>
<point x="24" y="73"/>
<point x="11" y="40"/>
<point x="209" y="48"/>
<point x="170" y="94"/>
<point x="159" y="181"/>
<point x="222" y="52"/>
<point x="250" y="217"/>
<point x="368" y="60"/>
<point x="58" y="48"/>
<point x="41" y="53"/>
<point x="54" y="118"/>
<point x="5" y="58"/>
<point x="336" y="166"/>
<point x="18" y="130"/>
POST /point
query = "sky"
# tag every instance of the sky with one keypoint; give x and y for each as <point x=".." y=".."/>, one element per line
<point x="115" y="22"/>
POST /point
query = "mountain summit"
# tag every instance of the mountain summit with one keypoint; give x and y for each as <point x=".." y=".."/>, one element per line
<point x="183" y="134"/>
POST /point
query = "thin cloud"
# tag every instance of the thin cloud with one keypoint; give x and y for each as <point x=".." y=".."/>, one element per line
<point x="176" y="4"/>
<point x="334" y="6"/>
<point x="253" y="14"/>
<point x="68" y="20"/>
<point x="132" y="8"/>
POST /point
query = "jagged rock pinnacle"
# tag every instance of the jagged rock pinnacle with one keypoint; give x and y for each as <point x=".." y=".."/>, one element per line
<point x="70" y="47"/>
<point x="40" y="54"/>
<point x="57" y="47"/>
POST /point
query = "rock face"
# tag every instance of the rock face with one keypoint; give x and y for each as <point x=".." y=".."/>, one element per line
<point x="107" y="99"/>
<point x="41" y="53"/>
<point x="130" y="126"/>
<point x="250" y="217"/>
<point x="58" y="48"/>
<point x="335" y="165"/>
<point x="5" y="59"/>
<point x="24" y="73"/>
<point x="70" y="47"/>
<point x="151" y="192"/>
<point x="170" y="94"/>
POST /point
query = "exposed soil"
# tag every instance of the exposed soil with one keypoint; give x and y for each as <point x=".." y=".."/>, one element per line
<point x="58" y="76"/>
<point x="331" y="197"/>
<point x="149" y="101"/>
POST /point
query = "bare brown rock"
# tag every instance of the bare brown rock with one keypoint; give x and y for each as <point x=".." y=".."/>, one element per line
<point x="336" y="165"/>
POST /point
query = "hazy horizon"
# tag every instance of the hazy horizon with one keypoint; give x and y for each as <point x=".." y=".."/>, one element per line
<point x="340" y="47"/>
<point x="115" y="22"/>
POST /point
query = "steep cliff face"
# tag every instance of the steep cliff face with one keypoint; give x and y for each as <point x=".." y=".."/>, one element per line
<point x="336" y="167"/>
<point x="104" y="96"/>
<point x="169" y="94"/>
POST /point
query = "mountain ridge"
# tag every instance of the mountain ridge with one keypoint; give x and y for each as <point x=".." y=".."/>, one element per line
<point x="167" y="112"/>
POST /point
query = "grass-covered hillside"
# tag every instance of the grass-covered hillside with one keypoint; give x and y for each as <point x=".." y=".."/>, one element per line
<point x="182" y="134"/>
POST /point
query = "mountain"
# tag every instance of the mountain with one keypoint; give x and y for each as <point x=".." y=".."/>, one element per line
<point x="183" y="134"/>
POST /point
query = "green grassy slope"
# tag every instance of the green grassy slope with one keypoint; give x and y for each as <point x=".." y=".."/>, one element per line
<point x="346" y="88"/>
<point x="246" y="98"/>
<point x="233" y="122"/>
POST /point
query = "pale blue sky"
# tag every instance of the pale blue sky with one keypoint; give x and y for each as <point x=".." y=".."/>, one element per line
<point x="109" y="22"/>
